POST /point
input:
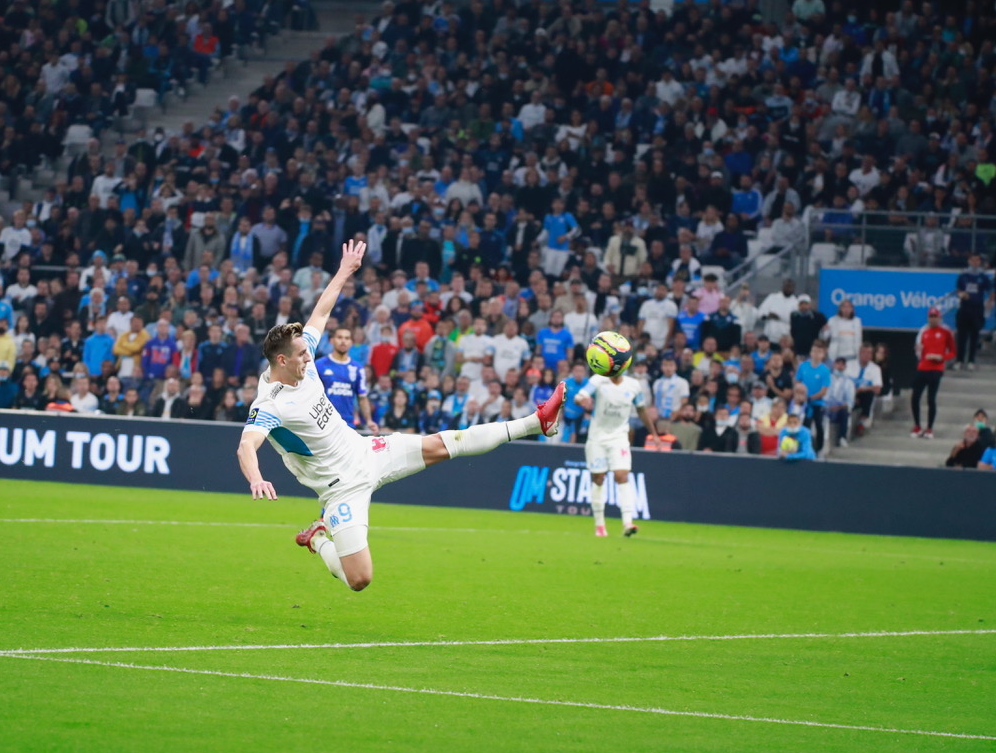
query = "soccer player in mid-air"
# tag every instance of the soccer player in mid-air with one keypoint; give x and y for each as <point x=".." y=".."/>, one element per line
<point x="344" y="381"/>
<point x="607" y="448"/>
<point x="342" y="467"/>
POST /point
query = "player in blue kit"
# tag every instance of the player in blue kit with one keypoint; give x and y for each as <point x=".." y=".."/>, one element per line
<point x="344" y="381"/>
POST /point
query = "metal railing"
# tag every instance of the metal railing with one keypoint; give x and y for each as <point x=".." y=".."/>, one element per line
<point x="885" y="239"/>
<point x="788" y="261"/>
<point x="899" y="239"/>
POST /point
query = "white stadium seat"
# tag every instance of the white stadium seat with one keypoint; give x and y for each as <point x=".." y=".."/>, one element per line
<point x="820" y="255"/>
<point x="76" y="139"/>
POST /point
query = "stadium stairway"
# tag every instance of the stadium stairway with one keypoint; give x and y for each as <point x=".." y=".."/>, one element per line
<point x="232" y="76"/>
<point x="962" y="393"/>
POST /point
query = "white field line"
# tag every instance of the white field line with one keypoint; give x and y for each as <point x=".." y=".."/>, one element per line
<point x="494" y="642"/>
<point x="520" y="699"/>
<point x="427" y="529"/>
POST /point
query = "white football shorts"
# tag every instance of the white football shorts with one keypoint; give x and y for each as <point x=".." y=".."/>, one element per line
<point x="347" y="505"/>
<point x="613" y="455"/>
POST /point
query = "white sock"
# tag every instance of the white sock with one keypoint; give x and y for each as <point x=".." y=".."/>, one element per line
<point x="598" y="503"/>
<point x="626" y="502"/>
<point x="482" y="438"/>
<point x="325" y="548"/>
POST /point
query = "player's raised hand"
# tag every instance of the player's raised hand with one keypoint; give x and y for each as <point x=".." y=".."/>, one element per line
<point x="262" y="490"/>
<point x="352" y="255"/>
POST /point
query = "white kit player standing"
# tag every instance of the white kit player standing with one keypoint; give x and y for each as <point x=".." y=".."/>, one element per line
<point x="608" y="448"/>
<point x="342" y="467"/>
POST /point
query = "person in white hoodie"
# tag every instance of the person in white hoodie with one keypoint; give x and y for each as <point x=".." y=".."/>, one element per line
<point x="776" y="311"/>
<point x="843" y="332"/>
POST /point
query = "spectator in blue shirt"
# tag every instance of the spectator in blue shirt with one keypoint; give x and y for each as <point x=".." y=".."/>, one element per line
<point x="158" y="352"/>
<point x="558" y="229"/>
<point x="573" y="413"/>
<point x="795" y="430"/>
<point x="690" y="321"/>
<point x="553" y="342"/>
<point x="747" y="203"/>
<point x="988" y="462"/>
<point x="816" y="377"/>
<point x="213" y="353"/>
<point x="98" y="347"/>
<point x="6" y="310"/>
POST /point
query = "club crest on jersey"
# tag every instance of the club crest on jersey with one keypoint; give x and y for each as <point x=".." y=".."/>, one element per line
<point x="252" y="416"/>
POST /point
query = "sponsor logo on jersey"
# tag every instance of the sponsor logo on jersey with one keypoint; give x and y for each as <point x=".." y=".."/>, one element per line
<point x="378" y="444"/>
<point x="252" y="416"/>
<point x="568" y="488"/>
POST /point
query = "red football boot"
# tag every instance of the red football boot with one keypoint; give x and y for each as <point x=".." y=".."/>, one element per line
<point x="549" y="412"/>
<point x="304" y="538"/>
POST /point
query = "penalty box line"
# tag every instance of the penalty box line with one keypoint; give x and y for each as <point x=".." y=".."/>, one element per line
<point x="493" y="642"/>
<point x="517" y="699"/>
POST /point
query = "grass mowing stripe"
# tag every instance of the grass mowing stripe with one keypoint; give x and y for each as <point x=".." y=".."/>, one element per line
<point x="515" y="699"/>
<point x="495" y="642"/>
<point x="443" y="529"/>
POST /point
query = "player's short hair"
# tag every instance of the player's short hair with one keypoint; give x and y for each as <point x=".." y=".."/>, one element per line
<point x="278" y="340"/>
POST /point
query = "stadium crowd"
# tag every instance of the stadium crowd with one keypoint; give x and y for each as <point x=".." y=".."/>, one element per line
<point x="524" y="175"/>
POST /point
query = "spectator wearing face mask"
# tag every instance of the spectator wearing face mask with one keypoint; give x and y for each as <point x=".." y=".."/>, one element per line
<point x="802" y="436"/>
<point x="981" y="421"/>
<point x="720" y="436"/>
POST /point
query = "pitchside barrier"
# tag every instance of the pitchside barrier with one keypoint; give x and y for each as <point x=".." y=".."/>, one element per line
<point x="524" y="476"/>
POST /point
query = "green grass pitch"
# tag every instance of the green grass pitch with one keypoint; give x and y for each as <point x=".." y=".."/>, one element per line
<point x="470" y="603"/>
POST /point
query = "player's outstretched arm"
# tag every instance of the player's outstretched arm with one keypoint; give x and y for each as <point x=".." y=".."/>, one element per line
<point x="642" y="413"/>
<point x="352" y="258"/>
<point x="249" y="463"/>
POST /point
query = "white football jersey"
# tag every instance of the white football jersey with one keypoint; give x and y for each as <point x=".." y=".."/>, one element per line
<point x="510" y="353"/>
<point x="613" y="405"/>
<point x="474" y="346"/>
<point x="314" y="442"/>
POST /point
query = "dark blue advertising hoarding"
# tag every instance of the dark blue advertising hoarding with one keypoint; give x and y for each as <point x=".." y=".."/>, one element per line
<point x="526" y="477"/>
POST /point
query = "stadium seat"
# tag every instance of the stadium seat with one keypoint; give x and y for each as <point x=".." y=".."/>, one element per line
<point x="821" y="255"/>
<point x="77" y="137"/>
<point x="145" y="100"/>
<point x="717" y="270"/>
<point x="754" y="248"/>
<point x="765" y="238"/>
<point x="770" y="267"/>
<point x="857" y="253"/>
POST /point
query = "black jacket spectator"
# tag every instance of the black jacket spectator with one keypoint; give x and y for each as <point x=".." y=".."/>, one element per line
<point x="805" y="327"/>
<point x="714" y="440"/>
<point x="213" y="355"/>
<point x="421" y="249"/>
